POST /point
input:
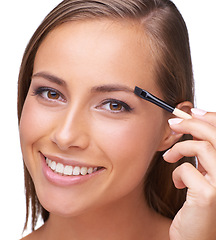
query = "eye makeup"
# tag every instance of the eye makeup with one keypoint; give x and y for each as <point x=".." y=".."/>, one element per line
<point x="48" y="93"/>
<point x="116" y="106"/>
<point x="151" y="98"/>
<point x="53" y="95"/>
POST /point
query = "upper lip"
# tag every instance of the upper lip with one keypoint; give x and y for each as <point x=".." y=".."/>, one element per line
<point x="68" y="161"/>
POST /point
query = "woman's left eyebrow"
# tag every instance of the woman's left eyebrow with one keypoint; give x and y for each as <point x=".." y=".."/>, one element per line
<point x="112" y="88"/>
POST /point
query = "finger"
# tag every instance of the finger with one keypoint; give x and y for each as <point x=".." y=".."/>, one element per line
<point x="199" y="129"/>
<point x="186" y="175"/>
<point x="181" y="177"/>
<point x="204" y="152"/>
<point x="209" y="117"/>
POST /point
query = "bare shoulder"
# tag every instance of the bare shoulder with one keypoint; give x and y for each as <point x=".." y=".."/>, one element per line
<point x="35" y="235"/>
<point x="31" y="236"/>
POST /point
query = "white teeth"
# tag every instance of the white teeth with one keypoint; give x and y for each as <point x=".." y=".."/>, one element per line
<point x="53" y="165"/>
<point x="76" y="171"/>
<point x="69" y="170"/>
<point x="60" y="168"/>
<point x="49" y="163"/>
<point x="90" y="170"/>
<point x="84" y="171"/>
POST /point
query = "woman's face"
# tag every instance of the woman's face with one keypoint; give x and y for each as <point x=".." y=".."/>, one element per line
<point x="81" y="116"/>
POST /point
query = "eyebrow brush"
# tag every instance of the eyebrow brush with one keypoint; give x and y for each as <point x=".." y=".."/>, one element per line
<point x="151" y="98"/>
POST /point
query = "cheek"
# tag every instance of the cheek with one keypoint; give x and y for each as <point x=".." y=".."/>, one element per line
<point x="29" y="125"/>
<point x="132" y="139"/>
<point x="34" y="124"/>
<point x="35" y="121"/>
<point x="129" y="145"/>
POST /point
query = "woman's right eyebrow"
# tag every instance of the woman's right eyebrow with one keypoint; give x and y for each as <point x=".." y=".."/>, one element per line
<point x="50" y="77"/>
<point x="95" y="89"/>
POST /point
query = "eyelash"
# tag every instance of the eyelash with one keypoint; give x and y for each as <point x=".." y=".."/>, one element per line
<point x="42" y="90"/>
<point x="124" y="105"/>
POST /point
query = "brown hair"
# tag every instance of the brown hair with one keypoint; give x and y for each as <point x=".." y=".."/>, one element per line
<point x="168" y="37"/>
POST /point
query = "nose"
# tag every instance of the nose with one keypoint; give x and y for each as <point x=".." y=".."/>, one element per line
<point x="71" y="131"/>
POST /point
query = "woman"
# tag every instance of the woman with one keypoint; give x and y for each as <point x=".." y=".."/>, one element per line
<point x="94" y="151"/>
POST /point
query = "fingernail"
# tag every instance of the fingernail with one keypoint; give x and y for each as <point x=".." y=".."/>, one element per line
<point x="173" y="121"/>
<point x="174" y="133"/>
<point x="198" y="112"/>
<point x="166" y="152"/>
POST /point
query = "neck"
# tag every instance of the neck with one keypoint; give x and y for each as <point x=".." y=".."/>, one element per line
<point x="123" y="219"/>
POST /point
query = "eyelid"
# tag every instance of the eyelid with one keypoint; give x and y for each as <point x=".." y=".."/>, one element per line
<point x="126" y="107"/>
<point x="40" y="90"/>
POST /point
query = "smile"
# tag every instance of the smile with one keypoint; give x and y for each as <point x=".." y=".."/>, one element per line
<point x="67" y="170"/>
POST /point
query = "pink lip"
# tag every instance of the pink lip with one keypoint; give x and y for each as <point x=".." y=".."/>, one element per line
<point x="66" y="161"/>
<point x="60" y="180"/>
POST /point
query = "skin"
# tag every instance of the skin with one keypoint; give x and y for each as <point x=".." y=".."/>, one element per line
<point x="80" y="127"/>
<point x="200" y="206"/>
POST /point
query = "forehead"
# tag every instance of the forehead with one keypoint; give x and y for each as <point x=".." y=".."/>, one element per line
<point x="107" y="49"/>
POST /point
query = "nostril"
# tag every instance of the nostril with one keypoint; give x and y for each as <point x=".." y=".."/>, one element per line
<point x="66" y="139"/>
<point x="71" y="129"/>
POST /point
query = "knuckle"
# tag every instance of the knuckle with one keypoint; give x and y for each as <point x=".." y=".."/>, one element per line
<point x="206" y="146"/>
<point x="209" y="197"/>
<point x="185" y="166"/>
<point x="181" y="169"/>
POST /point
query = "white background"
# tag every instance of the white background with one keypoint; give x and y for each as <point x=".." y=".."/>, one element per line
<point x="18" y="21"/>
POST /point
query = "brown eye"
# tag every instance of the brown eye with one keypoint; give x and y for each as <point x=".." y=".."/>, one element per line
<point x="49" y="94"/>
<point x="53" y="95"/>
<point x="115" y="106"/>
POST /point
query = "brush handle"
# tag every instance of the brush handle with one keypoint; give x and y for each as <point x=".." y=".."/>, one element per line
<point x="151" y="98"/>
<point x="179" y="113"/>
<point x="157" y="101"/>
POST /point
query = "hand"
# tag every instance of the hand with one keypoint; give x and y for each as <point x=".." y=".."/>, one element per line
<point x="196" y="220"/>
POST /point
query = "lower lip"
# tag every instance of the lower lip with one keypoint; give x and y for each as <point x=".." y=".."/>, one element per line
<point x="61" y="180"/>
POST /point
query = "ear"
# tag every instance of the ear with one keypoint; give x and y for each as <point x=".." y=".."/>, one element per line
<point x="171" y="137"/>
